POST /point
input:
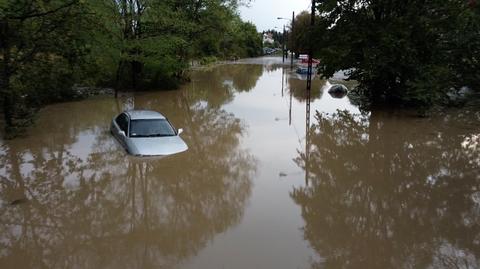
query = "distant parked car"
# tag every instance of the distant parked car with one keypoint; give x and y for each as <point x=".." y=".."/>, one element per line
<point x="147" y="133"/>
<point x="268" y="51"/>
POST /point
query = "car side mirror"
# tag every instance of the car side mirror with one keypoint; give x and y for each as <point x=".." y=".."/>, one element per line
<point x="180" y="131"/>
<point x="122" y="133"/>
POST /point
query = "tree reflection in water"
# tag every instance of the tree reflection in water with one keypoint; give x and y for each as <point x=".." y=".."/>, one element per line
<point x="218" y="85"/>
<point x="297" y="84"/>
<point x="109" y="210"/>
<point x="387" y="191"/>
<point x="244" y="77"/>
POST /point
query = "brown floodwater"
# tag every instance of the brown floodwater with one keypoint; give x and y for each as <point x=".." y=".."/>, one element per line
<point x="258" y="187"/>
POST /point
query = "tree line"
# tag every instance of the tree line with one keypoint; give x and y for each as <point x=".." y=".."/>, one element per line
<point x="413" y="53"/>
<point x="50" y="48"/>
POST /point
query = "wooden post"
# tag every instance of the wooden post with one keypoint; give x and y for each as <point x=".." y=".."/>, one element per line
<point x="309" y="90"/>
<point x="310" y="63"/>
<point x="292" y="41"/>
<point x="283" y="46"/>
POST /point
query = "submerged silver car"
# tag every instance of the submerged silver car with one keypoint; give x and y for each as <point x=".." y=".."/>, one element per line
<point x="147" y="133"/>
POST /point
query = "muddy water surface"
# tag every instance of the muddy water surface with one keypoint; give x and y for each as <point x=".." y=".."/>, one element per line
<point x="258" y="188"/>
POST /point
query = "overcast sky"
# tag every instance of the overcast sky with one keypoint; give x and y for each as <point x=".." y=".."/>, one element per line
<point x="264" y="13"/>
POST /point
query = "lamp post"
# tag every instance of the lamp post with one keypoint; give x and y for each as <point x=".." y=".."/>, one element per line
<point x="292" y="21"/>
<point x="284" y="40"/>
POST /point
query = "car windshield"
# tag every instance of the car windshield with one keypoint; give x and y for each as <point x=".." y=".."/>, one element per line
<point x="151" y="128"/>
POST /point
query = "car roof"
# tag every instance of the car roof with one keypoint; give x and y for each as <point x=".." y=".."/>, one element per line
<point x="144" y="115"/>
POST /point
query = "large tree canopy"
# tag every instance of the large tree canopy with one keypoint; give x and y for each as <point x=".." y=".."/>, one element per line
<point x="46" y="47"/>
<point x="411" y="52"/>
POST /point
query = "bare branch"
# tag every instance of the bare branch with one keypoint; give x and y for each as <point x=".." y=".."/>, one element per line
<point x="42" y="14"/>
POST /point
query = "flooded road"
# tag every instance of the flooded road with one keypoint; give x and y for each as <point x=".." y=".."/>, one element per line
<point x="258" y="188"/>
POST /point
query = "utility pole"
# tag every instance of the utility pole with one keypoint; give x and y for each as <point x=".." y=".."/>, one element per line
<point x="285" y="52"/>
<point x="292" y="41"/>
<point x="283" y="45"/>
<point x="310" y="63"/>
<point x="309" y="91"/>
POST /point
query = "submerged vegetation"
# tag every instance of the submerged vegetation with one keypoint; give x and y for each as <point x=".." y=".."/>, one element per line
<point x="49" y="48"/>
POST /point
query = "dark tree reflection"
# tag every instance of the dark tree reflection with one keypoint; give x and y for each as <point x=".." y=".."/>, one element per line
<point x="218" y="85"/>
<point x="389" y="191"/>
<point x="86" y="204"/>
<point x="244" y="77"/>
<point x="297" y="86"/>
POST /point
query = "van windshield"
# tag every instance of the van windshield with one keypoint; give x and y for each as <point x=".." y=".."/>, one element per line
<point x="151" y="128"/>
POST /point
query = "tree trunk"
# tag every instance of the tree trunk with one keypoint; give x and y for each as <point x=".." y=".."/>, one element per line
<point x="5" y="79"/>
<point x="117" y="77"/>
<point x="134" y="75"/>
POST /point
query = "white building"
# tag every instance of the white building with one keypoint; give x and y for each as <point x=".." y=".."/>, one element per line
<point x="268" y="38"/>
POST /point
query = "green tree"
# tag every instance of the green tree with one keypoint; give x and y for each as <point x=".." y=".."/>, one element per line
<point x="298" y="39"/>
<point x="46" y="47"/>
<point x="156" y="39"/>
<point x="242" y="39"/>
<point x="41" y="49"/>
<point x="409" y="52"/>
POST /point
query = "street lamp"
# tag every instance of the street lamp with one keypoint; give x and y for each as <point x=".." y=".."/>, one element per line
<point x="284" y="48"/>
<point x="283" y="45"/>
<point x="292" y="21"/>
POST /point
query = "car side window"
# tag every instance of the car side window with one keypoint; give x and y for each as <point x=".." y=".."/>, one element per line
<point x="122" y="122"/>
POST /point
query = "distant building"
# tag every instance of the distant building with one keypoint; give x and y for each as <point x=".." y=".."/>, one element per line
<point x="268" y="38"/>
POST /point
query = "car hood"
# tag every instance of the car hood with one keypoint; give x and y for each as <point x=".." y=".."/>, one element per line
<point x="153" y="146"/>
